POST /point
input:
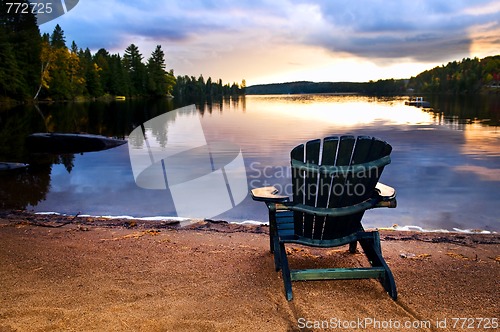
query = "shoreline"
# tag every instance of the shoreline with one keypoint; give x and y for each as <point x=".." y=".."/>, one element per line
<point x="187" y="221"/>
<point x="89" y="274"/>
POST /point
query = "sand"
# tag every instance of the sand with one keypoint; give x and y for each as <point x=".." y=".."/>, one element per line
<point x="86" y="274"/>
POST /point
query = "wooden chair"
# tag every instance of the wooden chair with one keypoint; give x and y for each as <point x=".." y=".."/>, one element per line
<point x="334" y="180"/>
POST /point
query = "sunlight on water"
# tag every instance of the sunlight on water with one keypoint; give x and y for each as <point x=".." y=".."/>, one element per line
<point x="340" y="111"/>
<point x="481" y="141"/>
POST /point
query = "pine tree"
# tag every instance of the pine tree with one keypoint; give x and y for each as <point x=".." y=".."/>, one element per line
<point x="120" y="84"/>
<point x="64" y="77"/>
<point x="157" y="76"/>
<point x="59" y="83"/>
<point x="101" y="60"/>
<point x="76" y="72"/>
<point x="57" y="39"/>
<point x="91" y="72"/>
<point x="132" y="61"/>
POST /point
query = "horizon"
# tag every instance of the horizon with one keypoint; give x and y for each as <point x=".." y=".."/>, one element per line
<point x="286" y="41"/>
<point x="318" y="82"/>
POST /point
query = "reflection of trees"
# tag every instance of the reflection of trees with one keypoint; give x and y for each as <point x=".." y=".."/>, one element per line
<point x="235" y="102"/>
<point x="68" y="161"/>
<point x="114" y="119"/>
<point x="463" y="109"/>
<point x="29" y="187"/>
<point x="158" y="128"/>
<point x="19" y="189"/>
<point x="15" y="125"/>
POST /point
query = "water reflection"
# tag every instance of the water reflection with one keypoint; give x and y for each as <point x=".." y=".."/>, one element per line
<point x="342" y="111"/>
<point x="20" y="188"/>
<point x="446" y="162"/>
<point x="30" y="188"/>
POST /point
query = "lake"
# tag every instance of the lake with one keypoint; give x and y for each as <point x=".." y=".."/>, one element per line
<point x="445" y="161"/>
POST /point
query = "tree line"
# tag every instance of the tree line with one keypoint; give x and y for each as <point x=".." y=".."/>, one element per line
<point x="42" y="67"/>
<point x="381" y="87"/>
<point x="463" y="77"/>
<point x="466" y="76"/>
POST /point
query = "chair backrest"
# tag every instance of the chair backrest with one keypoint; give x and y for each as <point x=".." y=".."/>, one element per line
<point x="331" y="173"/>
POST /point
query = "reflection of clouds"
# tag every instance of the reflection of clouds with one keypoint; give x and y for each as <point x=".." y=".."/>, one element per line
<point x="484" y="173"/>
<point x="481" y="141"/>
<point x="428" y="171"/>
<point x="94" y="173"/>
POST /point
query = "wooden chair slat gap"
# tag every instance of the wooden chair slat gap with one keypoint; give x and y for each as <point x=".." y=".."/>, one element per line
<point x="298" y="153"/>
<point x="312" y="155"/>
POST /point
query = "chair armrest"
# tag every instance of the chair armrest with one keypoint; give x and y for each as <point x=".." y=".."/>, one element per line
<point x="387" y="196"/>
<point x="385" y="192"/>
<point x="268" y="194"/>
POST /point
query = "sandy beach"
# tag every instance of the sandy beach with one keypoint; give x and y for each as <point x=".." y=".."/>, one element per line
<point x="89" y="274"/>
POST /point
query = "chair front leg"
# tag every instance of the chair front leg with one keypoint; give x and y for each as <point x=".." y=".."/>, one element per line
<point x="277" y="254"/>
<point x="285" y="272"/>
<point x="372" y="249"/>
<point x="352" y="247"/>
<point x="273" y="231"/>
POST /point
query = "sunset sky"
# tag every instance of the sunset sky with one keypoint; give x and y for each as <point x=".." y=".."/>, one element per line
<point x="266" y="41"/>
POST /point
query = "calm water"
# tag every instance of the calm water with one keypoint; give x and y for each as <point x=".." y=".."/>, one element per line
<point x="445" y="163"/>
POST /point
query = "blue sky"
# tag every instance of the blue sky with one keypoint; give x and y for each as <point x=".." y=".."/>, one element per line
<point x="264" y="41"/>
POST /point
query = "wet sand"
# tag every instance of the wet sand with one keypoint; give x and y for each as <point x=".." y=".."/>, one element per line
<point x="88" y="274"/>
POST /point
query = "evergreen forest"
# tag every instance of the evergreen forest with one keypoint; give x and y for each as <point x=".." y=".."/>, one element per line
<point x="460" y="77"/>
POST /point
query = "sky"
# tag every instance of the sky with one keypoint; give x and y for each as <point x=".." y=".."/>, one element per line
<point x="273" y="41"/>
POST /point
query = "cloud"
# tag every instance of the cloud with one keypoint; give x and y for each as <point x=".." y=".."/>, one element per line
<point x="118" y="23"/>
<point x="421" y="30"/>
<point x="214" y="33"/>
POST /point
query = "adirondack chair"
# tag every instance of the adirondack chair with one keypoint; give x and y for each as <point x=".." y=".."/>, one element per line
<point x="334" y="180"/>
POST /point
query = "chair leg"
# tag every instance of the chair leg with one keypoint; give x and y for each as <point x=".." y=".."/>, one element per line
<point x="271" y="243"/>
<point x="272" y="235"/>
<point x="285" y="272"/>
<point x="372" y="249"/>
<point x="272" y="226"/>
<point x="390" y="285"/>
<point x="277" y="253"/>
<point x="353" y="246"/>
